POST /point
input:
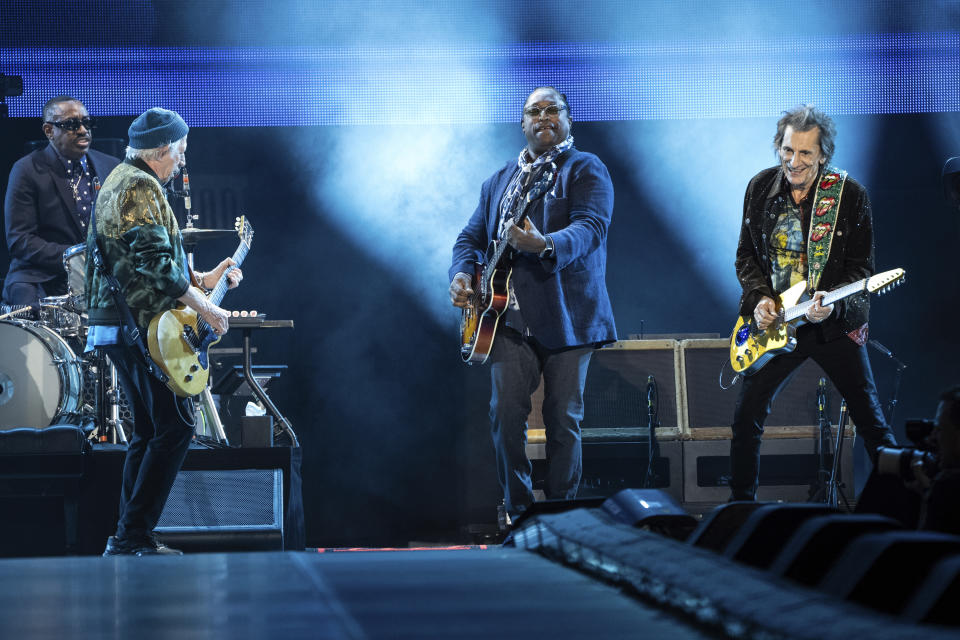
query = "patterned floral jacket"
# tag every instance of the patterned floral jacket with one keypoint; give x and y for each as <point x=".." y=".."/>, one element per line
<point x="141" y="243"/>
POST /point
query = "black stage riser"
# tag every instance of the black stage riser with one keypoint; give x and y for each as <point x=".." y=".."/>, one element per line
<point x="223" y="499"/>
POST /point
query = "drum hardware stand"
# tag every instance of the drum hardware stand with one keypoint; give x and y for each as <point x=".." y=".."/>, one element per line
<point x="213" y="425"/>
<point x="109" y="425"/>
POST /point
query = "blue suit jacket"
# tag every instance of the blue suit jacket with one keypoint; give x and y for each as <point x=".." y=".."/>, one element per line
<point x="563" y="298"/>
<point x="39" y="214"/>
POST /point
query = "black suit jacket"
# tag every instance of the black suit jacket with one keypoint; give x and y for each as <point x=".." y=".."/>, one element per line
<point x="39" y="214"/>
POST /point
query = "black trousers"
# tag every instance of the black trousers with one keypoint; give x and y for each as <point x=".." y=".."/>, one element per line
<point x="844" y="361"/>
<point x="23" y="293"/>
<point x="162" y="429"/>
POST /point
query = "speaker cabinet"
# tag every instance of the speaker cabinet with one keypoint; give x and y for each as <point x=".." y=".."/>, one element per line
<point x="227" y="509"/>
<point x="707" y="407"/>
<point x="788" y="467"/>
<point x="615" y="394"/>
<point x="616" y="459"/>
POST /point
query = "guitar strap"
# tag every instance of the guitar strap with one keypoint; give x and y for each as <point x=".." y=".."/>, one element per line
<point x="132" y="336"/>
<point x="826" y="205"/>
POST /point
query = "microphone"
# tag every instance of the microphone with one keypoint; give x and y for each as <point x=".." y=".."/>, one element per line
<point x="186" y="190"/>
<point x="882" y="349"/>
<point x="651" y="386"/>
<point x="821" y="395"/>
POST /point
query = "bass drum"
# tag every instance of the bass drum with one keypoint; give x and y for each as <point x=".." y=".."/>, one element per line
<point x="40" y="379"/>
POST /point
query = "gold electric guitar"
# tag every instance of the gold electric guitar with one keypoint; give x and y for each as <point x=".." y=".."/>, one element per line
<point x="751" y="348"/>
<point x="178" y="339"/>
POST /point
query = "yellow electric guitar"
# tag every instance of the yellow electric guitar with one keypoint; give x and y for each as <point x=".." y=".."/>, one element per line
<point x="751" y="348"/>
<point x="178" y="339"/>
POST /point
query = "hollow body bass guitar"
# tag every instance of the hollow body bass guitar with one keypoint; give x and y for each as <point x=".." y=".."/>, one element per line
<point x="491" y="284"/>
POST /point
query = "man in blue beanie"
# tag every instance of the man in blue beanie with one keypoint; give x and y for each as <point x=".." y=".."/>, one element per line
<point x="140" y="240"/>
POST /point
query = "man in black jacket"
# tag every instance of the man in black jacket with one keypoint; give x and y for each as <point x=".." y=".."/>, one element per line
<point x="804" y="221"/>
<point x="50" y="196"/>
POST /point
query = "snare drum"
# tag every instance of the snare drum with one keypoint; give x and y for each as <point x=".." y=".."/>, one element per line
<point x="40" y="377"/>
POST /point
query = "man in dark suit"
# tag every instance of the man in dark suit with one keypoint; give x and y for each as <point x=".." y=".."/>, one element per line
<point x="558" y="311"/>
<point x="50" y="196"/>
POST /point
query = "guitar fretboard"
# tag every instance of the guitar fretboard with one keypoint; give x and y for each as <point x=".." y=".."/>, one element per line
<point x="796" y="311"/>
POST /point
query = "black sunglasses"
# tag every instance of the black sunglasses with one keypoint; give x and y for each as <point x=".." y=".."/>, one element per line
<point x="73" y="124"/>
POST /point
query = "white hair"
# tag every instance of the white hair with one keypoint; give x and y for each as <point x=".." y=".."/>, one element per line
<point x="152" y="154"/>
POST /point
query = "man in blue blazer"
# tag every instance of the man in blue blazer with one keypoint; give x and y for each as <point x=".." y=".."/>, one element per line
<point x="558" y="310"/>
<point x="50" y="195"/>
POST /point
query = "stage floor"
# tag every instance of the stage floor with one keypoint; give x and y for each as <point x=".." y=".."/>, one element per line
<point x="463" y="593"/>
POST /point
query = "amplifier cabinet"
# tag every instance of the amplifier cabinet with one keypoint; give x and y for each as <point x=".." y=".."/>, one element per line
<point x="705" y="405"/>
<point x="616" y="459"/>
<point x="224" y="509"/>
<point x="615" y="395"/>
<point x="788" y="468"/>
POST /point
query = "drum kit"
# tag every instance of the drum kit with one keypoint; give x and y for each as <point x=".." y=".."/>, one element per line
<point x="47" y="378"/>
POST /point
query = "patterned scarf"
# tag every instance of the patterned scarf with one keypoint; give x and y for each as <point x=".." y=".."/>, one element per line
<point x="513" y="198"/>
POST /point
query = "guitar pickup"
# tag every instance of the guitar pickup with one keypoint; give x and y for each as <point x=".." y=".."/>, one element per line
<point x="191" y="338"/>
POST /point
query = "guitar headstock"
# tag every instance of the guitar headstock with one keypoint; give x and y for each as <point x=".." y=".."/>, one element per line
<point x="244" y="230"/>
<point x="883" y="282"/>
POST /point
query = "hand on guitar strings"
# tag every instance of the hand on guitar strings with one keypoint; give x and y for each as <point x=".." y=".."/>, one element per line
<point x="526" y="238"/>
<point x="211" y="278"/>
<point x="460" y="291"/>
<point x="217" y="318"/>
<point x="818" y="313"/>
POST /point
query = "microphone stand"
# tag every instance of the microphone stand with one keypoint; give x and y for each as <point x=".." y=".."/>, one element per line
<point x="833" y="486"/>
<point x="212" y="423"/>
<point x="653" y="421"/>
<point x="897" y="375"/>
<point x="819" y="492"/>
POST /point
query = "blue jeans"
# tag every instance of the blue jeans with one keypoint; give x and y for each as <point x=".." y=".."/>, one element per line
<point x="162" y="429"/>
<point x="844" y="361"/>
<point x="516" y="366"/>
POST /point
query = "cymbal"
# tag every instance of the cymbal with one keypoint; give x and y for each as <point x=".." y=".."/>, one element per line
<point x="192" y="235"/>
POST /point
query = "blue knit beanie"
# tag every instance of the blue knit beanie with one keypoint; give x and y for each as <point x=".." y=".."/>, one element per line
<point x="156" y="128"/>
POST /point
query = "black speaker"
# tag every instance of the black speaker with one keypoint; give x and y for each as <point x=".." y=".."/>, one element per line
<point x="935" y="602"/>
<point x="819" y="542"/>
<point x="761" y="537"/>
<point x="884" y="570"/>
<point x="227" y="509"/>
<point x="718" y="528"/>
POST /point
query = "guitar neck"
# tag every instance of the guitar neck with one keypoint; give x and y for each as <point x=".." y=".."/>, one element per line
<point x="216" y="296"/>
<point x="502" y="247"/>
<point x="829" y="298"/>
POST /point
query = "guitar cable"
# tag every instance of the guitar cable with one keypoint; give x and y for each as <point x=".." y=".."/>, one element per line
<point x="736" y="378"/>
